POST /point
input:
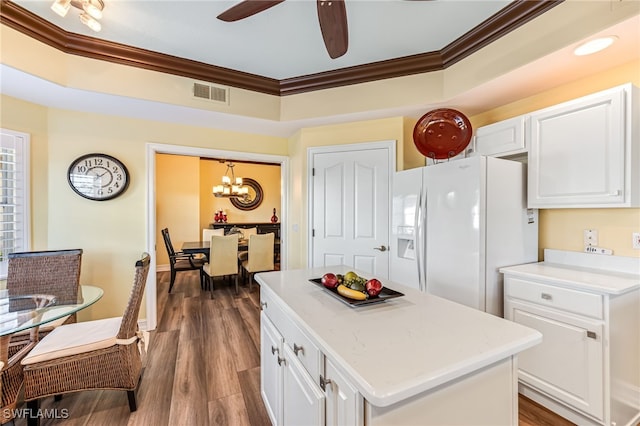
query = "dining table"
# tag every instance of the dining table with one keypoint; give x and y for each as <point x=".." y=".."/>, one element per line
<point x="29" y="311"/>
<point x="202" y="247"/>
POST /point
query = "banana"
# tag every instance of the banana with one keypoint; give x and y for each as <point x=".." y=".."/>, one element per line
<point x="351" y="294"/>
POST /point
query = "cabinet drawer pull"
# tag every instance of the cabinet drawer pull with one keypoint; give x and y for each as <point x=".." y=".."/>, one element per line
<point x="592" y="335"/>
<point x="280" y="361"/>
<point x="546" y="296"/>
<point x="263" y="305"/>
<point x="324" y="382"/>
<point x="274" y="350"/>
<point x="297" y="349"/>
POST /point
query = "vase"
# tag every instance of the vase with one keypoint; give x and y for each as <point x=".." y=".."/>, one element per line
<point x="274" y="218"/>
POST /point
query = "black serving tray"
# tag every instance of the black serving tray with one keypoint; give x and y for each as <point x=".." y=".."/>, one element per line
<point x="384" y="295"/>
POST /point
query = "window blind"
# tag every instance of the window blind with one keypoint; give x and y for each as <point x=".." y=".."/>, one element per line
<point x="14" y="195"/>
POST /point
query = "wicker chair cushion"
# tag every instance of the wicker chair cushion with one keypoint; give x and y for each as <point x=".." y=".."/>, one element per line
<point x="48" y="327"/>
<point x="73" y="339"/>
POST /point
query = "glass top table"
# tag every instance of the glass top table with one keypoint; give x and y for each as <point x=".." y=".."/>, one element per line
<point x="24" y="312"/>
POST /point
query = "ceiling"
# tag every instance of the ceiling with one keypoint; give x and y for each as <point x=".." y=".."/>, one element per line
<point x="284" y="41"/>
<point x="284" y="44"/>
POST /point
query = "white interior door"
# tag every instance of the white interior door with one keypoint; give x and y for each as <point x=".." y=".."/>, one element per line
<point x="350" y="209"/>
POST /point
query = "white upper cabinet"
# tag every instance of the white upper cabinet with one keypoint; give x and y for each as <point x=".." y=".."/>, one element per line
<point x="501" y="139"/>
<point x="585" y="152"/>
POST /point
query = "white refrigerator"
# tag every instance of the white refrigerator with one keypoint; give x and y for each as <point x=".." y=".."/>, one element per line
<point x="454" y="224"/>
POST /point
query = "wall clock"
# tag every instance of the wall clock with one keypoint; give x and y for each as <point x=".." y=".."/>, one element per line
<point x="253" y="199"/>
<point x="98" y="177"/>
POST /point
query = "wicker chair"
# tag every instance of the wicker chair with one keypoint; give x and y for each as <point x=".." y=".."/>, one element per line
<point x="180" y="261"/>
<point x="54" y="272"/>
<point x="100" y="354"/>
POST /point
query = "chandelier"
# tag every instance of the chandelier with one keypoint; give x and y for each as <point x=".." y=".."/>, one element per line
<point x="91" y="11"/>
<point x="231" y="185"/>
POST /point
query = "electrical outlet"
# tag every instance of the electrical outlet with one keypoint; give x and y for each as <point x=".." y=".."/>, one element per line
<point x="636" y="240"/>
<point x="590" y="237"/>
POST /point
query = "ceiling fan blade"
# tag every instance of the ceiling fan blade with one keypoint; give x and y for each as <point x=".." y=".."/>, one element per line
<point x="332" y="15"/>
<point x="246" y="8"/>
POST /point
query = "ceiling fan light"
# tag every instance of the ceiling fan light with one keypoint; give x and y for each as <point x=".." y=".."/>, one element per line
<point x="94" y="9"/>
<point x="90" y="22"/>
<point x="595" y="45"/>
<point x="61" y="7"/>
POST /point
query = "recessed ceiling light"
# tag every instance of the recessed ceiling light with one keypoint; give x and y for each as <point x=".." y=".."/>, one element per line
<point x="595" y="45"/>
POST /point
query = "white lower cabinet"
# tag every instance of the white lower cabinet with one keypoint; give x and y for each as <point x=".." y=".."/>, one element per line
<point x="290" y="395"/>
<point x="270" y="372"/>
<point x="586" y="368"/>
<point x="299" y="386"/>
<point x="568" y="362"/>
<point x="302" y="398"/>
<point x="344" y="403"/>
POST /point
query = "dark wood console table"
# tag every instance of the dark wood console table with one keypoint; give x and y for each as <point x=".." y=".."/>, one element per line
<point x="263" y="227"/>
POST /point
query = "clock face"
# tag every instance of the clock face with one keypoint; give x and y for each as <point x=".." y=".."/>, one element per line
<point x="98" y="177"/>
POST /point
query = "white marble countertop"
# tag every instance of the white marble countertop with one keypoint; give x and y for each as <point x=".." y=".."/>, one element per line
<point x="402" y="347"/>
<point x="596" y="273"/>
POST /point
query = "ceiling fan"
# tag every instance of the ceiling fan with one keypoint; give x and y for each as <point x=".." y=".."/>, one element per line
<point x="332" y="16"/>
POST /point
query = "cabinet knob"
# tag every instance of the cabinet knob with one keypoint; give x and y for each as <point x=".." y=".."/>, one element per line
<point x="274" y="350"/>
<point x="324" y="382"/>
<point x="592" y="335"/>
<point x="263" y="305"/>
<point x="280" y="361"/>
<point x="546" y="296"/>
<point x="297" y="349"/>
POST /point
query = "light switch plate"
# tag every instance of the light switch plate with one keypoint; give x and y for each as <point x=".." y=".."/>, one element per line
<point x="636" y="240"/>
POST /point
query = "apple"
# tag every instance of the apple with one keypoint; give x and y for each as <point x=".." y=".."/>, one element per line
<point x="330" y="280"/>
<point x="373" y="287"/>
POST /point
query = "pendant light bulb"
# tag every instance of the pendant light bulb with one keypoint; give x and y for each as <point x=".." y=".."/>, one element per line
<point x="90" y="22"/>
<point x="93" y="9"/>
<point x="61" y="7"/>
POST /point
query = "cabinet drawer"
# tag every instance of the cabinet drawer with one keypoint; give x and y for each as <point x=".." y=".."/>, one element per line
<point x="304" y="349"/>
<point x="557" y="297"/>
<point x="307" y="353"/>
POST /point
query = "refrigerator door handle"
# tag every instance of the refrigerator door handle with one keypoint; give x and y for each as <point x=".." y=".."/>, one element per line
<point x="418" y="240"/>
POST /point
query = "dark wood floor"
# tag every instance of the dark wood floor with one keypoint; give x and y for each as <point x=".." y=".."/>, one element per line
<point x="202" y="367"/>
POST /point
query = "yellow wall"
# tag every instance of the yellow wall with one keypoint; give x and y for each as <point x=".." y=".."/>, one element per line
<point x="268" y="176"/>
<point x="112" y="233"/>
<point x="357" y="132"/>
<point x="177" y="201"/>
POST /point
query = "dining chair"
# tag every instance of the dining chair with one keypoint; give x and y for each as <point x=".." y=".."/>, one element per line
<point x="91" y="355"/>
<point x="223" y="259"/>
<point x="179" y="261"/>
<point x="208" y="232"/>
<point x="55" y="272"/>
<point x="260" y="255"/>
<point x="244" y="254"/>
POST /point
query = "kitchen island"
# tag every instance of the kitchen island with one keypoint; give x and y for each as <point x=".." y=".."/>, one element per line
<point x="415" y="359"/>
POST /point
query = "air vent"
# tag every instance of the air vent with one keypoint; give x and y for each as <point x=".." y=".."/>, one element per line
<point x="219" y="94"/>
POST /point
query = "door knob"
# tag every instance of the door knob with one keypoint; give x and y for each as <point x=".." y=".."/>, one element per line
<point x="381" y="248"/>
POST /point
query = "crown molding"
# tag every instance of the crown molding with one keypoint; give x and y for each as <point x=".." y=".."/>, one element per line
<point x="506" y="20"/>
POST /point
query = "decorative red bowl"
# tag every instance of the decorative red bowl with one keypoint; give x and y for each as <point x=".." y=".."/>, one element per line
<point x="442" y="133"/>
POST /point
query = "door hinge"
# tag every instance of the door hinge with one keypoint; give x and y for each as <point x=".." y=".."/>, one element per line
<point x="313" y="232"/>
<point x="313" y="171"/>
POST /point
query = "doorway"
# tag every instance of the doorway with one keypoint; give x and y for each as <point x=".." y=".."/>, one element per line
<point x="151" y="150"/>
